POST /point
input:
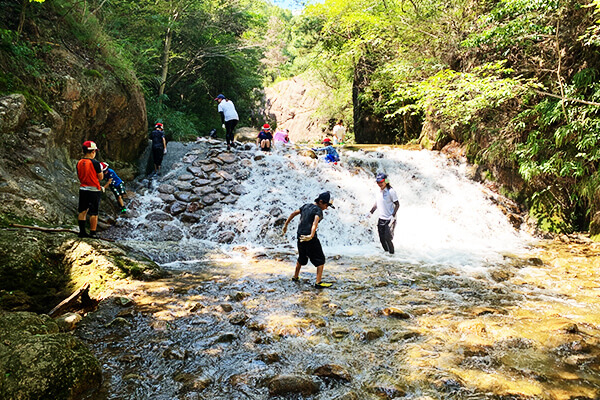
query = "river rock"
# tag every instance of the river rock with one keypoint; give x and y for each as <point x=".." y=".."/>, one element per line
<point x="183" y="186"/>
<point x="194" y="206"/>
<point x="227" y="158"/>
<point x="223" y="190"/>
<point x="203" y="191"/>
<point x="177" y="208"/>
<point x="238" y="318"/>
<point x="159" y="216"/>
<point x="189" y="158"/>
<point x="269" y="358"/>
<point x="333" y="371"/>
<point x="387" y="392"/>
<point x="339" y="332"/>
<point x="348" y="396"/>
<point x="238" y="190"/>
<point x="292" y="384"/>
<point x="186" y="177"/>
<point x="38" y="362"/>
<point x="167" y="198"/>
<point x="210" y="199"/>
<point x="200" y="182"/>
<point x="229" y="200"/>
<point x="68" y="322"/>
<point x="371" y="334"/>
<point x="226" y="307"/>
<point x="225" y="175"/>
<point x="186" y="197"/>
<point x="395" y="312"/>
<point x="188" y="217"/>
<point x="226" y="237"/>
<point x="208" y="168"/>
<point x="404" y="335"/>
<point x="196" y="171"/>
<point x="242" y="174"/>
<point x="226" y="337"/>
<point x="166" y="188"/>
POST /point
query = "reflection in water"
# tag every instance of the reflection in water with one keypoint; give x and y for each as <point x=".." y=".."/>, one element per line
<point x="452" y="315"/>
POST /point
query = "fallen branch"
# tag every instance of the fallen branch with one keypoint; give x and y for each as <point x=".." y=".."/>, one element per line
<point x="591" y="103"/>
<point x="83" y="292"/>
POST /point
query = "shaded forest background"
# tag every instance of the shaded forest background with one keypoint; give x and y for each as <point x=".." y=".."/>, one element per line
<point x="514" y="82"/>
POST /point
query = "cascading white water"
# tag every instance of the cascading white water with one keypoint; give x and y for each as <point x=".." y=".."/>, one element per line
<point x="444" y="217"/>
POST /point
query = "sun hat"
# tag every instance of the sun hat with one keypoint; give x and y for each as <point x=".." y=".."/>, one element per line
<point x="325" y="197"/>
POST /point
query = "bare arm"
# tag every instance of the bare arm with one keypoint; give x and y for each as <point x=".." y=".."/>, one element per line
<point x="314" y="227"/>
<point x="291" y="217"/>
<point x="108" y="183"/>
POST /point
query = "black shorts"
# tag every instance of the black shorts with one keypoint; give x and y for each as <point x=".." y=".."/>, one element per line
<point x="118" y="190"/>
<point x="312" y="251"/>
<point x="157" y="155"/>
<point x="90" y="201"/>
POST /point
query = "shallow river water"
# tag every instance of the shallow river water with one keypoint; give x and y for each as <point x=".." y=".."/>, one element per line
<point x="467" y="308"/>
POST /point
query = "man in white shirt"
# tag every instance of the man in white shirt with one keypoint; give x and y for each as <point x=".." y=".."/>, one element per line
<point x="387" y="203"/>
<point x="229" y="118"/>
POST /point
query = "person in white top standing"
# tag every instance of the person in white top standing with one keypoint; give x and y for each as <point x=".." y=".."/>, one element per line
<point x="338" y="132"/>
<point x="229" y="118"/>
<point x="387" y="203"/>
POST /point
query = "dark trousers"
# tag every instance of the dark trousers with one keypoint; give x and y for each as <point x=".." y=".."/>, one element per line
<point x="229" y="127"/>
<point x="385" y="235"/>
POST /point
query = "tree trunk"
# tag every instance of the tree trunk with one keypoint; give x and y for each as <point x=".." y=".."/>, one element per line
<point x="22" y="17"/>
<point x="165" y="64"/>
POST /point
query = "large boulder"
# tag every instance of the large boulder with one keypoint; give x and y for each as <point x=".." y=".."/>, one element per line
<point x="38" y="362"/>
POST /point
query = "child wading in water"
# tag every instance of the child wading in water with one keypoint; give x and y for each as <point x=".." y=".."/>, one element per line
<point x="116" y="185"/>
<point x="309" y="246"/>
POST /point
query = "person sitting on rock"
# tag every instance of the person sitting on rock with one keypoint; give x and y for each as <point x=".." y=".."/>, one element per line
<point x="265" y="138"/>
<point x="332" y="155"/>
<point x="116" y="185"/>
<point x="281" y="137"/>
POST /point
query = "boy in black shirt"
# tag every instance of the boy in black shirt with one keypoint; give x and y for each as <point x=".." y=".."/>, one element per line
<point x="309" y="246"/>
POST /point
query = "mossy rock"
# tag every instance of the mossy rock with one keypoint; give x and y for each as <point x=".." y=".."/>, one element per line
<point x="37" y="362"/>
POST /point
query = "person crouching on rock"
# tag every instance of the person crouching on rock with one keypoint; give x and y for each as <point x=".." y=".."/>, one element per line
<point x="332" y="154"/>
<point x="265" y="138"/>
<point x="309" y="246"/>
<point x="116" y="185"/>
<point x="89" y="172"/>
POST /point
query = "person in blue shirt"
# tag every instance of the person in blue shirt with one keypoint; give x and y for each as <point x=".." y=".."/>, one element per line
<point x="116" y="185"/>
<point x="332" y="155"/>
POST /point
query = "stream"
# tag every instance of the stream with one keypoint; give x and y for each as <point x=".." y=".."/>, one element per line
<point x="468" y="308"/>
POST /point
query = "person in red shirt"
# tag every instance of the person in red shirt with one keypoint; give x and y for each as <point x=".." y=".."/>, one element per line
<point x="89" y="172"/>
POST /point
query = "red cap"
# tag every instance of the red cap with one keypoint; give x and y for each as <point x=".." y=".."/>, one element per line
<point x="266" y="126"/>
<point x="326" y="140"/>
<point x="104" y="166"/>
<point x="158" y="124"/>
<point x="89" y="145"/>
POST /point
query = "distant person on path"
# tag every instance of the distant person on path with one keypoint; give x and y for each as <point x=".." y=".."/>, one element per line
<point x="265" y="138"/>
<point x="159" y="146"/>
<point x="309" y="246"/>
<point x="89" y="172"/>
<point x="116" y="185"/>
<point x="229" y="118"/>
<point x="387" y="203"/>
<point x="281" y="136"/>
<point x="332" y="154"/>
<point x="338" y="132"/>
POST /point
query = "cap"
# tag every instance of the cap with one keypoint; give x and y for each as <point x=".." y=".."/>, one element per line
<point x="219" y="97"/>
<point x="381" y="177"/>
<point x="104" y="166"/>
<point x="325" y="197"/>
<point x="88" y="145"/>
<point x="158" y="124"/>
<point x="266" y="126"/>
<point x="326" y="140"/>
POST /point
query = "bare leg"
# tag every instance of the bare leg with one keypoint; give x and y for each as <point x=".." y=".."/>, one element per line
<point x="297" y="272"/>
<point x="93" y="222"/>
<point x="319" y="273"/>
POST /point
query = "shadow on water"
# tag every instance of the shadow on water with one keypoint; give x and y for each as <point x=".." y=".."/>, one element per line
<point x="455" y="314"/>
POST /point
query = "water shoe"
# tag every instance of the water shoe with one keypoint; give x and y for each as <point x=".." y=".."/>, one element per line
<point x="124" y="210"/>
<point x="322" y="285"/>
<point x="295" y="279"/>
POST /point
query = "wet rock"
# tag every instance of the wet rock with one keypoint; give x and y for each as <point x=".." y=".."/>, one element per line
<point x="186" y="197"/>
<point x="269" y="358"/>
<point x="259" y="157"/>
<point x="348" y="396"/>
<point x="227" y="158"/>
<point x="167" y="198"/>
<point x="404" y="335"/>
<point x="223" y="190"/>
<point x="184" y="186"/>
<point x="208" y="167"/>
<point x="238" y="318"/>
<point x="255" y="326"/>
<point x="229" y="200"/>
<point x="174" y="353"/>
<point x="226" y="307"/>
<point x="177" y="208"/>
<point x="292" y="384"/>
<point x="168" y="233"/>
<point x="339" y="332"/>
<point x="371" y="334"/>
<point x="200" y="182"/>
<point x="215" y="178"/>
<point x="238" y="190"/>
<point x="166" y="189"/>
<point x="387" y="392"/>
<point x="395" y="312"/>
<point x="239" y="296"/>
<point x="226" y="237"/>
<point x="186" y="177"/>
<point x="535" y="261"/>
<point x="194" y="206"/>
<point x="226" y="175"/>
<point x="68" y="321"/>
<point x="333" y="371"/>
<point x="501" y="275"/>
<point x="189" y="158"/>
<point x="242" y="174"/>
<point x="123" y="301"/>
<point x="203" y="191"/>
<point x="118" y="322"/>
<point x="210" y="199"/>
<point x="246" y="163"/>
<point x="189" y="218"/>
<point x="196" y="171"/>
<point x="226" y="337"/>
<point x="159" y="216"/>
